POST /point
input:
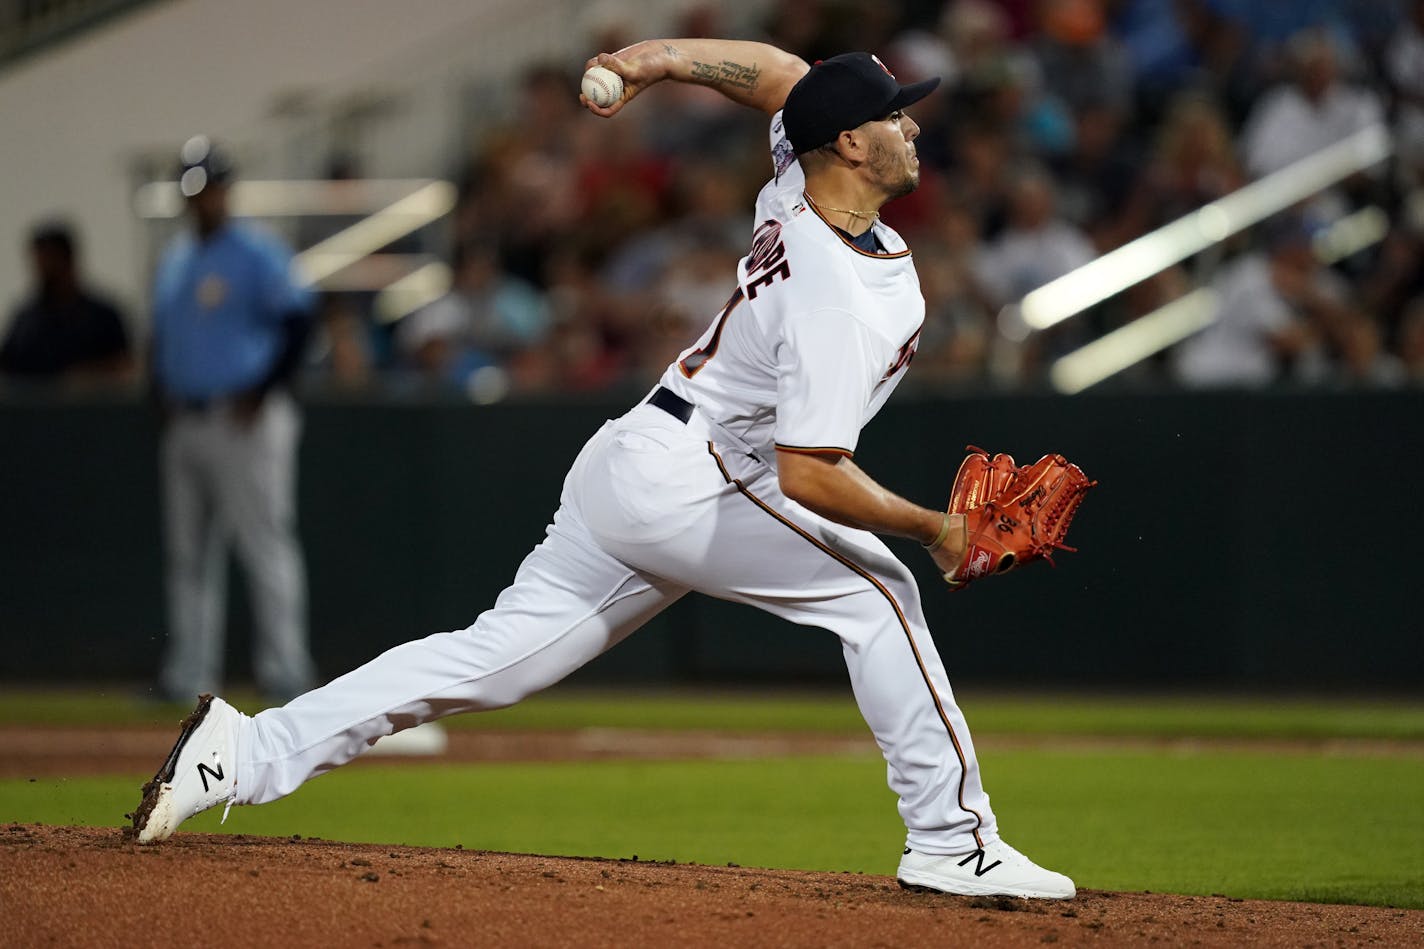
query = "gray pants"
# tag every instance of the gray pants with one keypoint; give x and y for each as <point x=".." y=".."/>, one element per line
<point x="224" y="482"/>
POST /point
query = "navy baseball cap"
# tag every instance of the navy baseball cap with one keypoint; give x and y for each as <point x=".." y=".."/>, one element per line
<point x="202" y="164"/>
<point x="844" y="92"/>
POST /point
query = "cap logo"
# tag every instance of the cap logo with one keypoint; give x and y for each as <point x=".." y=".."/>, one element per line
<point x="883" y="66"/>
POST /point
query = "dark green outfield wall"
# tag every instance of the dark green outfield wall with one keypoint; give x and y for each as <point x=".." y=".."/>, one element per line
<point x="1235" y="541"/>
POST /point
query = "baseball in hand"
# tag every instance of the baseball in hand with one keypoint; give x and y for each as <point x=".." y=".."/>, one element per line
<point x="601" y="86"/>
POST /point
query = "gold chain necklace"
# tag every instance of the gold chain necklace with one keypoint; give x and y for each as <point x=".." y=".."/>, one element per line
<point x="864" y="215"/>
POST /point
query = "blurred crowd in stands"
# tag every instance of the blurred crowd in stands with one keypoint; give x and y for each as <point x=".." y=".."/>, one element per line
<point x="587" y="253"/>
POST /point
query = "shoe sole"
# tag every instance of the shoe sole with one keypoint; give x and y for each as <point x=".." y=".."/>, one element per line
<point x="919" y="885"/>
<point x="153" y="789"/>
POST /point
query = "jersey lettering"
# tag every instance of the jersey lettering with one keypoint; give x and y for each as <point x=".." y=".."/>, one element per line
<point x="767" y="247"/>
<point x="782" y="271"/>
<point x="767" y="253"/>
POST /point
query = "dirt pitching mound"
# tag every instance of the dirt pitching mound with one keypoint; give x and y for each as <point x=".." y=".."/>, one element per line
<point x="94" y="887"/>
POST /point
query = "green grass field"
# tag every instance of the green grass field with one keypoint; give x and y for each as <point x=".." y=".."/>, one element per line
<point x="1279" y="822"/>
<point x="828" y="712"/>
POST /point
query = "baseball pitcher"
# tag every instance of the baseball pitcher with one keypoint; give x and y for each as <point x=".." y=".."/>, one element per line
<point x="735" y="478"/>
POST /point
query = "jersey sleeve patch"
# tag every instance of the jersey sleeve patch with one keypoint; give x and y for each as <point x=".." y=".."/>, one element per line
<point x="782" y="155"/>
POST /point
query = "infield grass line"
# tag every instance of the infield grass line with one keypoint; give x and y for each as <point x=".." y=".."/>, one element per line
<point x="831" y="711"/>
<point x="1243" y="824"/>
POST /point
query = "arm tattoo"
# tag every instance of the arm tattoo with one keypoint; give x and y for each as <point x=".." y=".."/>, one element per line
<point x="727" y="73"/>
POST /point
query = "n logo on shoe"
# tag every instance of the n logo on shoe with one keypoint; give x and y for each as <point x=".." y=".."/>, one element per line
<point x="979" y="868"/>
<point x="204" y="771"/>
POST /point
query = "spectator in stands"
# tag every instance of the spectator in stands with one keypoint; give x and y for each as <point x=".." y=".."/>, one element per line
<point x="1354" y="339"/>
<point x="341" y="350"/>
<point x="521" y="189"/>
<point x="1008" y="94"/>
<point x="1171" y="45"/>
<point x="1394" y="276"/>
<point x="1314" y="110"/>
<point x="692" y="290"/>
<point x="1270" y="308"/>
<point x="1036" y="246"/>
<point x="959" y="311"/>
<point x="708" y="205"/>
<point x="980" y="174"/>
<point x="623" y="187"/>
<point x="580" y="359"/>
<point x="1411" y="341"/>
<point x="484" y="320"/>
<point x="597" y="220"/>
<point x="692" y="121"/>
<point x="578" y="354"/>
<point x="802" y="27"/>
<point x="969" y="39"/>
<point x="64" y="329"/>
<point x="1404" y="69"/>
<point x="1079" y="61"/>
<point x="229" y="324"/>
<point x="1193" y="163"/>
<point x="991" y="86"/>
<point x="1095" y="177"/>
<point x="1270" y="29"/>
<point x="975" y="32"/>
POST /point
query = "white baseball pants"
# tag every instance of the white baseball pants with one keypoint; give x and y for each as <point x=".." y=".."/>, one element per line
<point x="653" y="508"/>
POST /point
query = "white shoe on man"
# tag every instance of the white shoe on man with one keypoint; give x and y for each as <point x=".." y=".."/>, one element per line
<point x="200" y="772"/>
<point x="994" y="870"/>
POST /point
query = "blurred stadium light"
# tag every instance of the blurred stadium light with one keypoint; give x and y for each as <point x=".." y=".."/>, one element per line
<point x="429" y="202"/>
<point x="1170" y="324"/>
<point x="1351" y="234"/>
<point x="413" y="291"/>
<point x="350" y="259"/>
<point x="1129" y="345"/>
<point x="1190" y="234"/>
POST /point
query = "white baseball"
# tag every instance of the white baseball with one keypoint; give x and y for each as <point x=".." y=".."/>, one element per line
<point x="601" y="86"/>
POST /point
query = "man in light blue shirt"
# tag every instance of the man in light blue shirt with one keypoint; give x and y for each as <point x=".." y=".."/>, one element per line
<point x="229" y="325"/>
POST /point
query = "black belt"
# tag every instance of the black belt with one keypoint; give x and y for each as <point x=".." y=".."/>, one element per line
<point x="672" y="403"/>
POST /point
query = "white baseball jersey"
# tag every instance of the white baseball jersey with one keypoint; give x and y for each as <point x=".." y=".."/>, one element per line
<point x="814" y="338"/>
<point x="817" y="333"/>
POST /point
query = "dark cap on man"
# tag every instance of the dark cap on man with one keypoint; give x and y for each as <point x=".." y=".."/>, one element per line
<point x="844" y="92"/>
<point x="202" y="164"/>
<point x="53" y="234"/>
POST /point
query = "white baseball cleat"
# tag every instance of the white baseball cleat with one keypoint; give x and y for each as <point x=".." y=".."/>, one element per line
<point x="995" y="870"/>
<point x="201" y="772"/>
